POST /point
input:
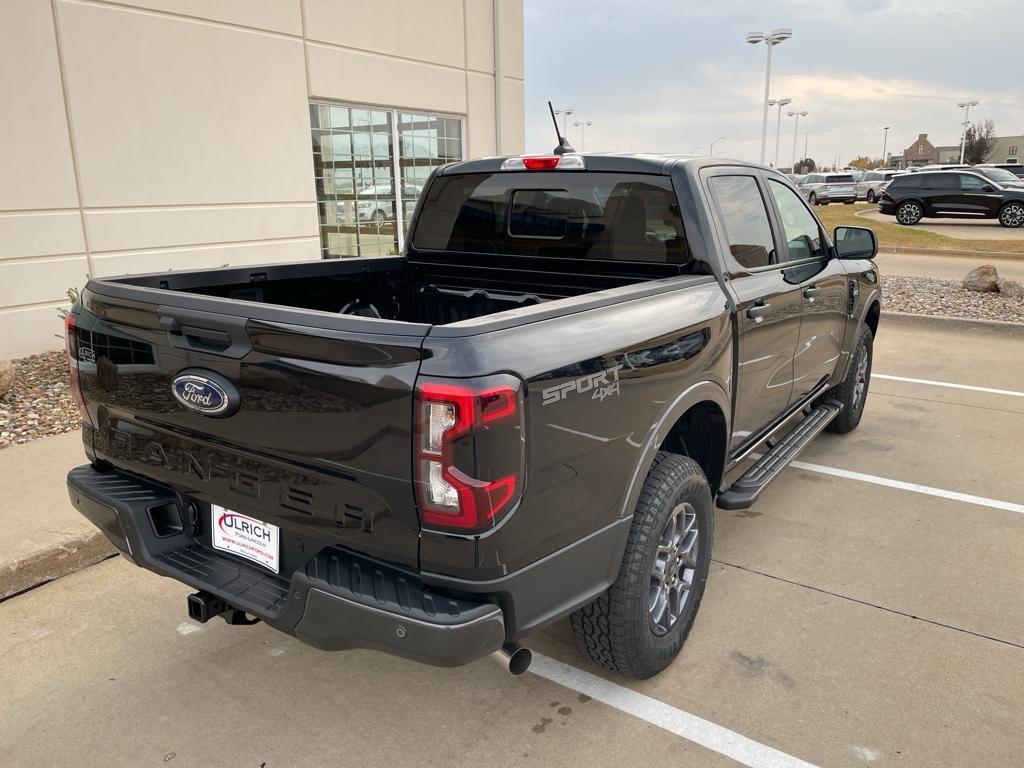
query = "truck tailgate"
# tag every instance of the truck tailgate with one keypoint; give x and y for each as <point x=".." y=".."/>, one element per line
<point x="320" y="443"/>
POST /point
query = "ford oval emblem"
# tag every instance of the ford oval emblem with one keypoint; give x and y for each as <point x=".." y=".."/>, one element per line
<point x="205" y="392"/>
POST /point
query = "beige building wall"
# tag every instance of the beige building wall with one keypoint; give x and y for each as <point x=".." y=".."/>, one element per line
<point x="147" y="135"/>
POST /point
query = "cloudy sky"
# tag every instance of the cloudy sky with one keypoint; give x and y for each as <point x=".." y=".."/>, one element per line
<point x="671" y="75"/>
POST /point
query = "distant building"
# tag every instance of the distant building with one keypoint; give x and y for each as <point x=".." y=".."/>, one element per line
<point x="1006" y="149"/>
<point x="921" y="152"/>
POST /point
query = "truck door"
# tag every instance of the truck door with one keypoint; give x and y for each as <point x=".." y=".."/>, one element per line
<point x="823" y="288"/>
<point x="768" y="301"/>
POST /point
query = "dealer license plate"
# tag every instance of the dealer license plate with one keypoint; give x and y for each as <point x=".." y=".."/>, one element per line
<point x="246" y="537"/>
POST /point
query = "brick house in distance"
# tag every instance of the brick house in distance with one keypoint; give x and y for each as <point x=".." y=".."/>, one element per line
<point x="921" y="152"/>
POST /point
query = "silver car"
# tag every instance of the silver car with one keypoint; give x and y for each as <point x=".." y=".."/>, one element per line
<point x="825" y="188"/>
<point x="871" y="185"/>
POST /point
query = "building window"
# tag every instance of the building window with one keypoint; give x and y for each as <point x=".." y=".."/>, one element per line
<point x="357" y="154"/>
<point x="1013" y="150"/>
<point x="920" y="149"/>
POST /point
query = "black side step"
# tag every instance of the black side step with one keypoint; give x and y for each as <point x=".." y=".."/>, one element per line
<point x="744" y="492"/>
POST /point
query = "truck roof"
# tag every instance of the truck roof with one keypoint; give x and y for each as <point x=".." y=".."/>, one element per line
<point x="620" y="162"/>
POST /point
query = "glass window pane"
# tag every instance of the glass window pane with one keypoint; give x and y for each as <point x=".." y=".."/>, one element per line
<point x="746" y="220"/>
<point x="803" y="235"/>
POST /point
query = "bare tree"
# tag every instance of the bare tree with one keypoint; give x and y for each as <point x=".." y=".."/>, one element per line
<point x="979" y="143"/>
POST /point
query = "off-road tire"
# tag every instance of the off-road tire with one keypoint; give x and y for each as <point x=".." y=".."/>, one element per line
<point x="846" y="392"/>
<point x="616" y="630"/>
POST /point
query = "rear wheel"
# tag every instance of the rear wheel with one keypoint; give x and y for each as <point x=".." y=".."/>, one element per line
<point x="638" y="626"/>
<point x="813" y="199"/>
<point x="909" y="213"/>
<point x="1012" y="214"/>
<point x="852" y="391"/>
<point x="870" y="196"/>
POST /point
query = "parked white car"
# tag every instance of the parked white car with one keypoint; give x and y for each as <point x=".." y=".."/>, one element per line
<point x="871" y="185"/>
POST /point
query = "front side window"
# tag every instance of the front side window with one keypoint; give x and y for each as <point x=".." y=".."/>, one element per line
<point x="746" y="220"/>
<point x="803" y="235"/>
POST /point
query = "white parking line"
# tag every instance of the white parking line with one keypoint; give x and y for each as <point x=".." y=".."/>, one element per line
<point x="681" y="723"/>
<point x="928" y="490"/>
<point x="930" y="383"/>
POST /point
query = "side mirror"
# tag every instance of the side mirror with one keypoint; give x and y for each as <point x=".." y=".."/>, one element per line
<point x="988" y="188"/>
<point x="855" y="243"/>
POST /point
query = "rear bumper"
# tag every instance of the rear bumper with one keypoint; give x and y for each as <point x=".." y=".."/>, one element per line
<point x="336" y="600"/>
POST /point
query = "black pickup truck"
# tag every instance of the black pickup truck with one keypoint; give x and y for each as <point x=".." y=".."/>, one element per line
<point x="529" y="415"/>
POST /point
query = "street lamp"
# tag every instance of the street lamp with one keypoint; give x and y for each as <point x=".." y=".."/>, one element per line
<point x="564" y="112"/>
<point x="780" y="103"/>
<point x="796" y="129"/>
<point x="770" y="39"/>
<point x="694" y="150"/>
<point x="885" y="146"/>
<point x="711" y="149"/>
<point x="582" y="125"/>
<point x="966" y="106"/>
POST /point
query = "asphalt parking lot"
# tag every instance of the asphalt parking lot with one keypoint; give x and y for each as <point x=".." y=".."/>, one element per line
<point x="867" y="611"/>
<point x="962" y="229"/>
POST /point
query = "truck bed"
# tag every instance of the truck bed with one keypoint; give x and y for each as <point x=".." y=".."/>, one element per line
<point x="450" y="289"/>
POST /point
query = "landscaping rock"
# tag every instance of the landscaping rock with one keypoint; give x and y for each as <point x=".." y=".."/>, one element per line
<point x="983" y="279"/>
<point x="6" y="378"/>
<point x="1011" y="288"/>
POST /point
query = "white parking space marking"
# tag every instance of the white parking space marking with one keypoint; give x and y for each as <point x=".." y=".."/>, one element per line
<point x="930" y="383"/>
<point x="681" y="723"/>
<point x="925" y="489"/>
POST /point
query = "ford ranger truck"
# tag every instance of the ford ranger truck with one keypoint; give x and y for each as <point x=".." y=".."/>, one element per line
<point x="530" y="414"/>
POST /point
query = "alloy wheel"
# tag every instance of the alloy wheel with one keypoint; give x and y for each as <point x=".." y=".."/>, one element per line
<point x="909" y="213"/>
<point x="674" y="566"/>
<point x="860" y="387"/>
<point x="1012" y="215"/>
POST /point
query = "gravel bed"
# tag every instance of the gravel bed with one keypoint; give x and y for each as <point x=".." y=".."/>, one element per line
<point x="929" y="296"/>
<point x="40" y="403"/>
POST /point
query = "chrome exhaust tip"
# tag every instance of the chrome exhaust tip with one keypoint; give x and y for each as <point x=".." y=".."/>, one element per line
<point x="516" y="657"/>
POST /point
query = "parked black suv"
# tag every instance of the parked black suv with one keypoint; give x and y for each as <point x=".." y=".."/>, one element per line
<point x="951" y="194"/>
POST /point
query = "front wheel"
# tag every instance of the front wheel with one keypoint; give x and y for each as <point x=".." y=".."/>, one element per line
<point x="909" y="213"/>
<point x="852" y="391"/>
<point x="638" y="626"/>
<point x="1012" y="215"/>
<point x="813" y="199"/>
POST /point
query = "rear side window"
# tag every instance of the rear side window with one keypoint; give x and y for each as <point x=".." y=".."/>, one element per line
<point x="579" y="215"/>
<point x="910" y="181"/>
<point x="746" y="220"/>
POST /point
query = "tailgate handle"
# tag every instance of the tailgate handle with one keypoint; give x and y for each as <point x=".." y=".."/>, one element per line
<point x="198" y="331"/>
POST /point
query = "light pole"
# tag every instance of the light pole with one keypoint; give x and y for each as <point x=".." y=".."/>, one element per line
<point x="885" y="146"/>
<point x="780" y="103"/>
<point x="966" y="106"/>
<point x="711" y="149"/>
<point x="770" y="39"/>
<point x="564" y="112"/>
<point x="582" y="125"/>
<point x="796" y="131"/>
<point x="694" y="150"/>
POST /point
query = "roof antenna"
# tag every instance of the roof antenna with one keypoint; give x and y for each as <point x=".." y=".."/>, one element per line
<point x="563" y="144"/>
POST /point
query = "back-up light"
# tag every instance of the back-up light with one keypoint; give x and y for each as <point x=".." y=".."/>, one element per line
<point x="74" y="377"/>
<point x="544" y="163"/>
<point x="469" y="451"/>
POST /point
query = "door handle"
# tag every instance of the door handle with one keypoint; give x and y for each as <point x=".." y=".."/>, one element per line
<point x="812" y="293"/>
<point x="758" y="311"/>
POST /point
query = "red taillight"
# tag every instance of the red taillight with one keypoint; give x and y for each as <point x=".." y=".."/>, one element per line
<point x="74" y="379"/>
<point x="568" y="162"/>
<point x="469" y="452"/>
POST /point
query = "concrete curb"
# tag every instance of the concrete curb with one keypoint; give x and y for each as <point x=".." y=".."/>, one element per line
<point x="1010" y="255"/>
<point x="940" y="322"/>
<point x="53" y="562"/>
